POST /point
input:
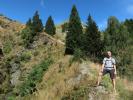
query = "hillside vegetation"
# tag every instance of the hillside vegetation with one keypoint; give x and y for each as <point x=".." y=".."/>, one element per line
<point x="62" y="62"/>
<point x="18" y="62"/>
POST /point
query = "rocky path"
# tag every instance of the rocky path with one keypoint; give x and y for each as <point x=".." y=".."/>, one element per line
<point x="99" y="92"/>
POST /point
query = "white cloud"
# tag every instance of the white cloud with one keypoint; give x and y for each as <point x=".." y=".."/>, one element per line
<point x="130" y="9"/>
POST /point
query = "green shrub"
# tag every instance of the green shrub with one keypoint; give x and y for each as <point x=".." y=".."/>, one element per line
<point x="124" y="94"/>
<point x="11" y="98"/>
<point x="107" y="82"/>
<point x="26" y="56"/>
<point x="35" y="76"/>
<point x="7" y="47"/>
<point x="27" y="35"/>
<point x="77" y="55"/>
<point x="36" y="53"/>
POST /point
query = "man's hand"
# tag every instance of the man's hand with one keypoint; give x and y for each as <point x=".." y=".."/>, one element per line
<point x="115" y="72"/>
<point x="101" y="72"/>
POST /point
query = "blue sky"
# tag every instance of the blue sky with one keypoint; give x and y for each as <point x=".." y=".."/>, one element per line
<point x="100" y="10"/>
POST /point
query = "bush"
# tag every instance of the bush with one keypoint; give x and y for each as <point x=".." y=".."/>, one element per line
<point x="35" y="76"/>
<point x="107" y="83"/>
<point x="78" y="54"/>
<point x="123" y="93"/>
<point x="11" y="98"/>
<point x="36" y="53"/>
<point x="26" y="56"/>
<point x="7" y="47"/>
<point x="27" y="35"/>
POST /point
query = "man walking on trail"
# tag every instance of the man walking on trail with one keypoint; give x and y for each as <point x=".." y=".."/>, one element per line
<point x="108" y="66"/>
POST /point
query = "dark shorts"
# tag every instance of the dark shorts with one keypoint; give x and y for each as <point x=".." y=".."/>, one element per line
<point x="110" y="72"/>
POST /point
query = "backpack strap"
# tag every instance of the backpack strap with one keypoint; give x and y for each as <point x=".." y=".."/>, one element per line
<point x="109" y="60"/>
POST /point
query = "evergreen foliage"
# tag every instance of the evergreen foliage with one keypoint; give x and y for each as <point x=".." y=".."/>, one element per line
<point x="65" y="27"/>
<point x="93" y="44"/>
<point x="33" y="27"/>
<point x="75" y="32"/>
<point x="37" y="23"/>
<point x="117" y="39"/>
<point x="50" y="26"/>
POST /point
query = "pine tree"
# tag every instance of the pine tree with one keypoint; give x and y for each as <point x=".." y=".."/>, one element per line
<point x="64" y="27"/>
<point x="74" y="34"/>
<point x="122" y="39"/>
<point x="111" y="33"/>
<point x="93" y="44"/>
<point x="29" y="22"/>
<point x="37" y="23"/>
<point x="129" y="24"/>
<point x="33" y="26"/>
<point x="50" y="26"/>
<point x="118" y="41"/>
<point x="122" y="48"/>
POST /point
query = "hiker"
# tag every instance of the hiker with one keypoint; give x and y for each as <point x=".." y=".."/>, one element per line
<point x="108" y="67"/>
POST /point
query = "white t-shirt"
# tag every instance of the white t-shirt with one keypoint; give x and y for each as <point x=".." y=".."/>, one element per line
<point x="108" y="63"/>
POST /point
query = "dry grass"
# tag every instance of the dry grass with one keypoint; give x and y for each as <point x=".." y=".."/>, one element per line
<point x="128" y="84"/>
<point x="55" y="82"/>
<point x="59" y="80"/>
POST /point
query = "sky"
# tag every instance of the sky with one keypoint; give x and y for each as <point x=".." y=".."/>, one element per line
<point x="100" y="10"/>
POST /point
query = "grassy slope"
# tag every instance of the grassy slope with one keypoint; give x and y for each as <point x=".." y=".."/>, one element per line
<point x="63" y="80"/>
<point x="43" y="47"/>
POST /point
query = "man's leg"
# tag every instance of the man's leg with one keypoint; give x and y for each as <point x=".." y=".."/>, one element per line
<point x="100" y="76"/>
<point x="114" y="83"/>
<point x="113" y="78"/>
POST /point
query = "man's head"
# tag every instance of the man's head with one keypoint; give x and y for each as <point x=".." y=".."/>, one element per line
<point x="109" y="54"/>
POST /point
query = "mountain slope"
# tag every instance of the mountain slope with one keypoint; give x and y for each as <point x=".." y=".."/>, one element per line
<point x="76" y="81"/>
<point x="18" y="61"/>
<point x="25" y="75"/>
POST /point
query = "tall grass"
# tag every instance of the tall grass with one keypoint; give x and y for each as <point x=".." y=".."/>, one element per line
<point x="34" y="77"/>
<point x="124" y="94"/>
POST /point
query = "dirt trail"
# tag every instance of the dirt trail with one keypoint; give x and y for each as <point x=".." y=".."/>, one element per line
<point x="100" y="92"/>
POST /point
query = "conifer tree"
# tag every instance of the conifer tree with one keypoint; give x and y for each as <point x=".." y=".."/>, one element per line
<point x="64" y="27"/>
<point x="93" y="44"/>
<point x="29" y="22"/>
<point x="117" y="40"/>
<point x="50" y="26"/>
<point x="129" y="24"/>
<point x="37" y="23"/>
<point x="111" y="33"/>
<point x="74" y="34"/>
<point x="33" y="26"/>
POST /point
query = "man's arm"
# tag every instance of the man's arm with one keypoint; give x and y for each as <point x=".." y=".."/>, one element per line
<point x="115" y="69"/>
<point x="102" y="67"/>
<point x="114" y="64"/>
<point x="103" y="64"/>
